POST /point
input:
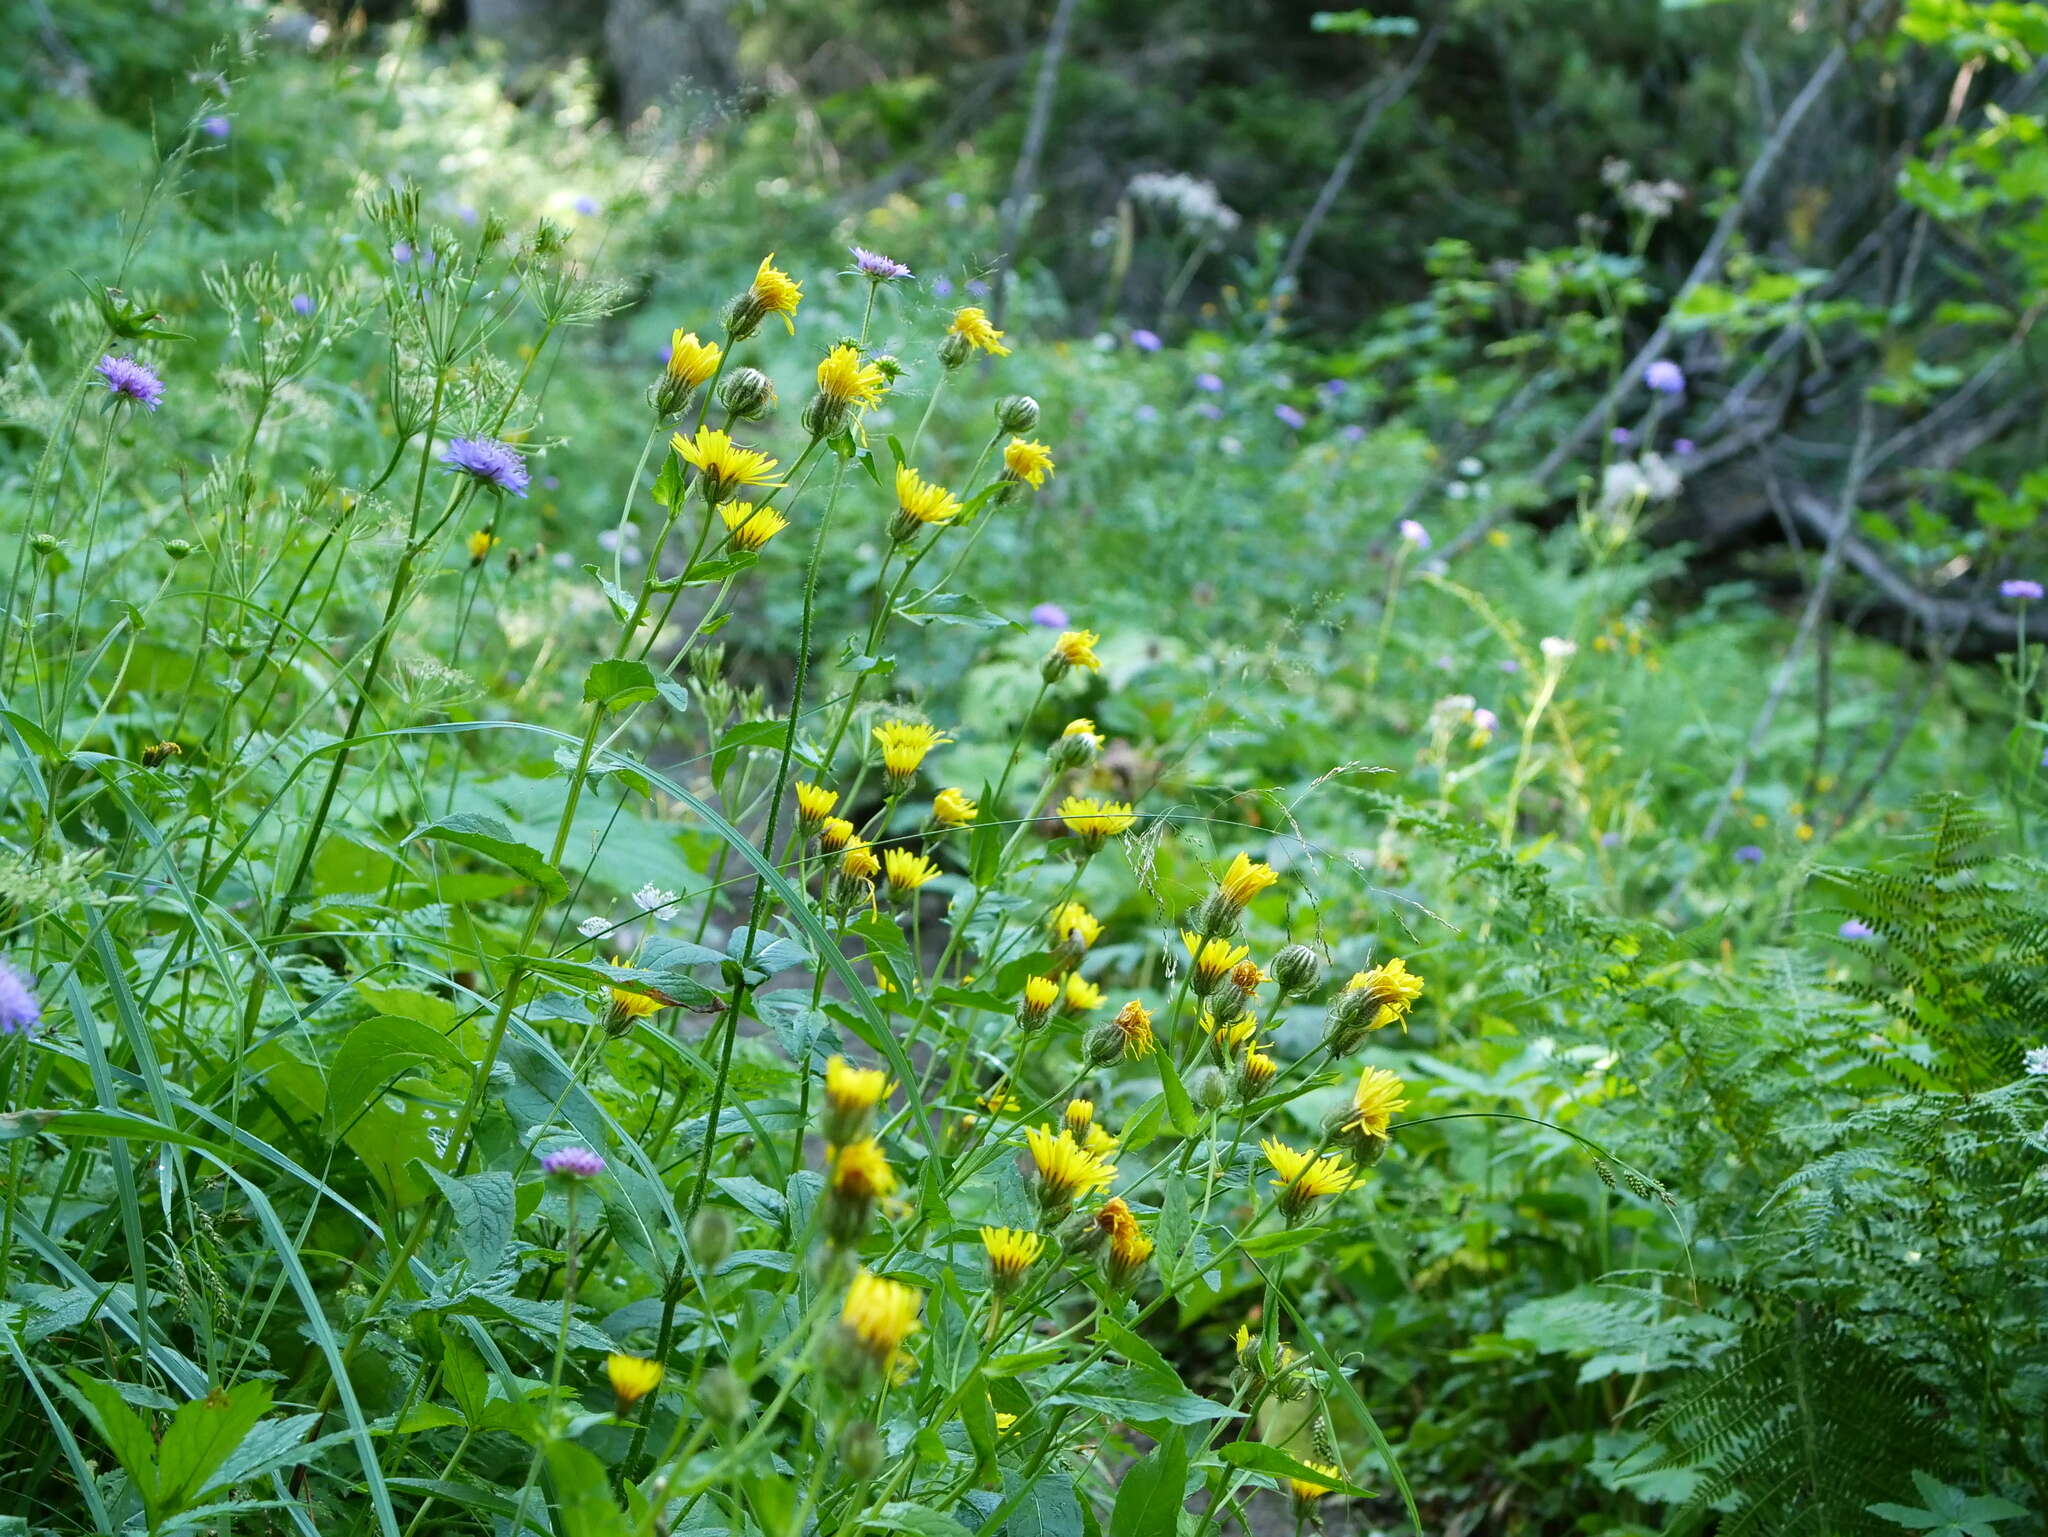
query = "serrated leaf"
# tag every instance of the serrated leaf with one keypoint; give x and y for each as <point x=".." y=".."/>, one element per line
<point x="485" y="1208"/>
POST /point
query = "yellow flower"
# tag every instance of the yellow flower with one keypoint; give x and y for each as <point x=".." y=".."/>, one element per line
<point x="751" y="526"/>
<point x="834" y="833"/>
<point x="920" y="503"/>
<point x="632" y="1379"/>
<point x="722" y="466"/>
<point x="1390" y="989"/>
<point x="952" y="808"/>
<point x="904" y="744"/>
<point x="973" y="324"/>
<point x="1082" y="996"/>
<point x="1374" y="1102"/>
<point x="1214" y="959"/>
<point x="479" y="544"/>
<point x="1256" y="1070"/>
<point x="853" y="1092"/>
<point x="858" y="861"/>
<point x="999" y="1100"/>
<point x="1230" y="1037"/>
<point x="631" y="1005"/>
<point x="860" y="1171"/>
<point x="1081" y="725"/>
<point x="1114" y="1219"/>
<point x="691" y="362"/>
<point x="1244" y="880"/>
<point x="1080" y="1115"/>
<point x="1065" y="1168"/>
<point x="1010" y="1253"/>
<point x="1004" y="1421"/>
<point x="907" y="870"/>
<point x="1304" y="1178"/>
<point x="1134" y="1022"/>
<point x="773" y="292"/>
<point x="1308" y="1490"/>
<point x="1076" y="648"/>
<point x="879" y="1315"/>
<point x="1127" y="1255"/>
<point x="845" y="380"/>
<point x="814" y="804"/>
<point x="1073" y="924"/>
<point x="1803" y="832"/>
<point x="1040" y="994"/>
<point x="1099" y="1142"/>
<point x="1094" y="821"/>
<point x="1028" y="462"/>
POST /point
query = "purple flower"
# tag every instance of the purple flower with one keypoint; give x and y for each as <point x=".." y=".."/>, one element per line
<point x="550" y="483"/>
<point x="942" y="286"/>
<point x="2021" y="589"/>
<point x="1332" y="388"/>
<point x="977" y="287"/>
<point x="1610" y="840"/>
<point x="1289" y="416"/>
<point x="1685" y="448"/>
<point x="1146" y="341"/>
<point x="19" y="1010"/>
<point x="572" y="1163"/>
<point x="402" y="252"/>
<point x="1353" y="433"/>
<point x="1665" y="377"/>
<point x="1414" y="533"/>
<point x="215" y="127"/>
<point x="492" y="462"/>
<point x="956" y="200"/>
<point x="872" y="264"/>
<point x="1049" y="616"/>
<point x="1749" y="854"/>
<point x="1855" y="928"/>
<point x="585" y="205"/>
<point x="1209" y="383"/>
<point x="1621" y="437"/>
<point x="1208" y="410"/>
<point x="1147" y="414"/>
<point x="127" y="379"/>
<point x="1484" y="719"/>
<point x="466" y="212"/>
<point x="304" y="304"/>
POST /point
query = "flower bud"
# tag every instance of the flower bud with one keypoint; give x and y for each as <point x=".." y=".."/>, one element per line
<point x="1218" y="917"/>
<point x="1296" y="970"/>
<point x="1347" y="1022"/>
<point x="955" y="350"/>
<point x="861" y="1452"/>
<point x="723" y="1396"/>
<point x="45" y="544"/>
<point x="1103" y="1045"/>
<point x="1206" y="1087"/>
<point x="710" y="1237"/>
<point x="1229" y="1002"/>
<point x="158" y="754"/>
<point x="1077" y="747"/>
<point x="177" y="549"/>
<point x="748" y="394"/>
<point x="824" y="416"/>
<point x="1016" y="413"/>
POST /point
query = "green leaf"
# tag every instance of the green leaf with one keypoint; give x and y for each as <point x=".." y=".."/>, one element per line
<point x="1179" y="1108"/>
<point x="615" y="684"/>
<point x="1257" y="1457"/>
<point x="1148" y="1499"/>
<point x="1143" y="1398"/>
<point x="670" y="985"/>
<point x="493" y="839"/>
<point x="125" y="1432"/>
<point x="1045" y="1507"/>
<point x="376" y="1054"/>
<point x="952" y="608"/>
<point x="584" y="1493"/>
<point x="202" y="1436"/>
<point x="485" y="1208"/>
<point x="918" y="1520"/>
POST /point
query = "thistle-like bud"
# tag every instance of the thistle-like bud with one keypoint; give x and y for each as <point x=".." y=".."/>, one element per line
<point x="1347" y="1022"/>
<point x="45" y="544"/>
<point x="1075" y="748"/>
<point x="861" y="1452"/>
<point x="1207" y="1088"/>
<point x="710" y="1237"/>
<point x="1103" y="1045"/>
<point x="1016" y="413"/>
<point x="747" y="393"/>
<point x="955" y="350"/>
<point x="723" y="1396"/>
<point x="824" y="416"/>
<point x="1296" y="970"/>
<point x="1229" y="1003"/>
<point x="1218" y="917"/>
<point x="178" y="549"/>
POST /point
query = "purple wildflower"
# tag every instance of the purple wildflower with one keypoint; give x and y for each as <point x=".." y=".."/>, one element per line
<point x="304" y="304"/>
<point x="1749" y="854"/>
<point x="19" y="1010"/>
<point x="466" y="212"/>
<point x="492" y="462"/>
<point x="1049" y="616"/>
<point x="1146" y="341"/>
<point x="128" y="379"/>
<point x="572" y="1163"/>
<point x="2021" y="589"/>
<point x="1353" y="433"/>
<point x="1414" y="533"/>
<point x="1290" y="416"/>
<point x="1856" y="928"/>
<point x="1208" y="410"/>
<point x="956" y="200"/>
<point x="550" y="483"/>
<point x="977" y="287"/>
<point x="1331" y="389"/>
<point x="1484" y="719"/>
<point x="402" y="252"/>
<point x="1664" y="377"/>
<point x="215" y="127"/>
<point x="1610" y="840"/>
<point x="1209" y="383"/>
<point x="1147" y="414"/>
<point x="874" y="265"/>
<point x="942" y="287"/>
<point x="1621" y="437"/>
<point x="585" y="205"/>
<point x="1685" y="448"/>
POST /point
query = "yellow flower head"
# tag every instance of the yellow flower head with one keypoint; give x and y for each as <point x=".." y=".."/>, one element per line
<point x="1065" y="1168"/>
<point x="1040" y="994"/>
<point x="632" y="1379"/>
<point x="1028" y="462"/>
<point x="1303" y="1178"/>
<point x="834" y="833"/>
<point x="952" y="808"/>
<point x="879" y="1315"/>
<point x="904" y="744"/>
<point x="722" y="466"/>
<point x="920" y="503"/>
<point x="998" y="1100"/>
<point x="1081" y="725"/>
<point x="479" y="545"/>
<point x="907" y="870"/>
<point x="1308" y="1490"/>
<point x="1134" y="1022"/>
<point x="1230" y="1037"/>
<point x="773" y="292"/>
<point x="814" y="804"/>
<point x="1080" y="1115"/>
<point x="1374" y="1102"/>
<point x="1244" y="880"/>
<point x="1011" y="1252"/>
<point x="1214" y="959"/>
<point x="972" y="323"/>
<point x="860" y="1171"/>
<point x="1094" y="821"/>
<point x="1081" y="995"/>
<point x="691" y="362"/>
<point x="858" y="862"/>
<point x="1099" y="1142"/>
<point x="751" y="526"/>
<point x="1075" y="648"/>
<point x="1004" y="1421"/>
<point x="1390" y="990"/>
<point x="844" y="380"/>
<point x="1114" y="1220"/>
<point x="1127" y="1255"/>
<point x="1073" y="924"/>
<point x="627" y="1004"/>
<point x="1256" y="1070"/>
<point x="853" y="1092"/>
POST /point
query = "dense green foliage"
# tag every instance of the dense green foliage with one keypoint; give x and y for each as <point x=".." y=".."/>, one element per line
<point x="368" y="836"/>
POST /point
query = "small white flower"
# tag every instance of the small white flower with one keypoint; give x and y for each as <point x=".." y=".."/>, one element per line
<point x="1470" y="467"/>
<point x="1414" y="533"/>
<point x="594" y="925"/>
<point x="1484" y="719"/>
<point x="1230" y="446"/>
<point x="2037" y="1062"/>
<point x="1457" y="490"/>
<point x="1558" y="649"/>
<point x="652" y="899"/>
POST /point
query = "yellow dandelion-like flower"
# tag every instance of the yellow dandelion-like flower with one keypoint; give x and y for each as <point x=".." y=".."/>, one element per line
<point x="1040" y="994"/>
<point x="999" y="1100"/>
<point x="722" y="465"/>
<point x="1134" y="1022"/>
<point x="920" y="504"/>
<point x="1065" y="1168"/>
<point x="1081" y="996"/>
<point x="834" y="833"/>
<point x="1099" y="1142"/>
<point x="860" y="1171"/>
<point x="1230" y="1037"/>
<point x="751" y="526"/>
<point x="774" y="292"/>
<point x="952" y="808"/>
<point x="853" y="1092"/>
<point x="1073" y="924"/>
<point x="691" y="362"/>
<point x="1004" y="1421"/>
<point x="879" y="1315"/>
<point x="972" y="323"/>
<point x="1094" y="821"/>
<point x="1374" y="1102"/>
<point x="906" y="870"/>
<point x="1256" y="1070"/>
<point x="1011" y="1252"/>
<point x="1076" y="648"/>
<point x="1308" y="1490"/>
<point x="1026" y="461"/>
<point x="1391" y="990"/>
<point x="1081" y="725"/>
<point x="1127" y="1255"/>
<point x="814" y="804"/>
<point x="632" y="1378"/>
<point x="845" y="380"/>
<point x="479" y="545"/>
<point x="628" y="1004"/>
<point x="1114" y="1220"/>
<point x="1214" y="959"/>
<point x="858" y="862"/>
<point x="1302" y="1178"/>
<point x="1244" y="880"/>
<point x="904" y="744"/>
<point x="1079" y="1116"/>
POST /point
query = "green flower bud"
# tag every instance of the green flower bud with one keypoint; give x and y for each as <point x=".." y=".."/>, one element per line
<point x="955" y="350"/>
<point x="1016" y="413"/>
<point x="861" y="1452"/>
<point x="177" y="549"/>
<point x="723" y="1396"/>
<point x="747" y="393"/>
<point x="1207" y="1088"/>
<point x="1296" y="970"/>
<point x="824" y="416"/>
<point x="1103" y="1045"/>
<point x="710" y="1237"/>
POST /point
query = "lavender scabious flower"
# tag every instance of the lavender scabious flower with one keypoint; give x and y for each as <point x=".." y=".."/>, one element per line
<point x="1146" y="341"/>
<point x="585" y="205"/>
<point x="1685" y="448"/>
<point x="1621" y="437"/>
<point x="872" y="264"/>
<point x="215" y="127"/>
<point x="1414" y="533"/>
<point x="942" y="287"/>
<point x="1353" y="433"/>
<point x="1147" y="414"/>
<point x="492" y="462"/>
<point x="19" y="1010"/>
<point x="1332" y="388"/>
<point x="2036" y="1062"/>
<point x="1664" y="377"/>
<point x="1049" y="616"/>
<point x="1208" y="410"/>
<point x="1290" y="416"/>
<point x="127" y="379"/>
<point x="1208" y="383"/>
<point x="2020" y="588"/>
<point x="1749" y="854"/>
<point x="1856" y="928"/>
<point x="572" y="1163"/>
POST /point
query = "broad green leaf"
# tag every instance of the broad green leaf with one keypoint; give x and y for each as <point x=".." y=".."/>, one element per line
<point x="918" y="1520"/>
<point x="375" y="1054"/>
<point x="1257" y="1457"/>
<point x="203" y="1434"/>
<point x="1045" y="1507"/>
<point x="125" y="1432"/>
<point x="485" y="1208"/>
<point x="1149" y="1497"/>
<point x="493" y="839"/>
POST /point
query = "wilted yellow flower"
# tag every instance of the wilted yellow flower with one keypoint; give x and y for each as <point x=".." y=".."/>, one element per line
<point x="1094" y="821"/>
<point x="479" y="545"/>
<point x="845" y="380"/>
<point x="722" y="466"/>
<point x="1082" y="996"/>
<point x="834" y="833"/>
<point x="1065" y="1168"/>
<point x="1374" y="1102"/>
<point x="972" y="323"/>
<point x="751" y="526"/>
<point x="1127" y="1255"/>
<point x="1028" y="462"/>
<point x="773" y="292"/>
<point x="860" y="1171"/>
<point x="1010" y="1253"/>
<point x="691" y="362"/>
<point x="1244" y="880"/>
<point x="952" y="808"/>
<point x="1074" y="648"/>
<point x="904" y="744"/>
<point x="1114" y="1219"/>
<point x="1073" y="924"/>
<point x="1214" y="959"/>
<point x="1303" y="1178"/>
<point x="879" y="1315"/>
<point x="814" y="804"/>
<point x="627" y="1004"/>
<point x="920" y="503"/>
<point x="907" y="870"/>
<point x="1391" y="990"/>
<point x="632" y="1379"/>
<point x="1080" y="1115"/>
<point x="1134" y="1022"/>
